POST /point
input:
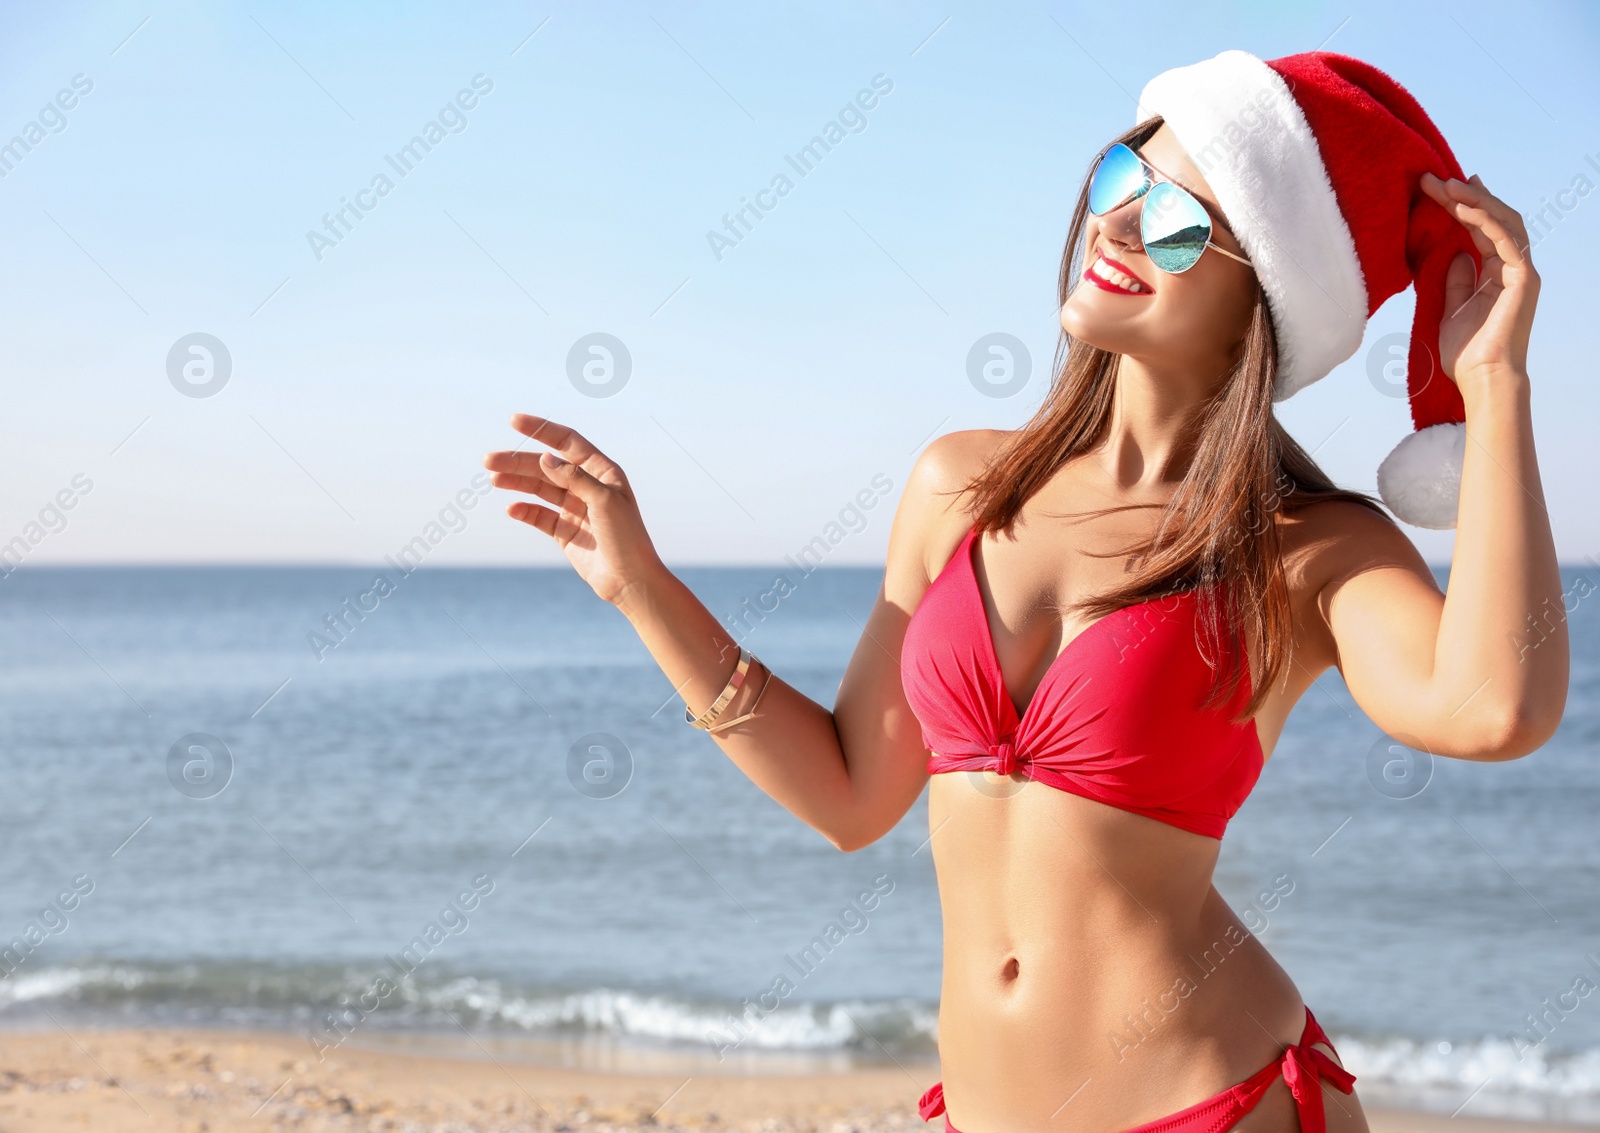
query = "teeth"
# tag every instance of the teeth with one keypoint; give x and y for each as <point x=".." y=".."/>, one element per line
<point x="1106" y="272"/>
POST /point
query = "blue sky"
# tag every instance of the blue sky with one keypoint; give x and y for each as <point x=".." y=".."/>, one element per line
<point x="768" y="387"/>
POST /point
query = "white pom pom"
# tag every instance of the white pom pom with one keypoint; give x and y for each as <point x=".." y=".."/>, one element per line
<point x="1421" y="479"/>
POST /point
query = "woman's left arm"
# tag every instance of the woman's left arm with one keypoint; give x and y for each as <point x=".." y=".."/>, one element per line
<point x="1491" y="682"/>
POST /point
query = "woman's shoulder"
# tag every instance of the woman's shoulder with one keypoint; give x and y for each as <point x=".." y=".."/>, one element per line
<point x="951" y="460"/>
<point x="1332" y="540"/>
<point x="934" y="510"/>
<point x="945" y="467"/>
<point x="1339" y="517"/>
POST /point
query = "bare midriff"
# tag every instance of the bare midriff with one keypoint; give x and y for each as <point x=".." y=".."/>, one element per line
<point x="1094" y="979"/>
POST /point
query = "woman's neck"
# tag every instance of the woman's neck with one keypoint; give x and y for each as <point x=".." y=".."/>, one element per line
<point x="1144" y="446"/>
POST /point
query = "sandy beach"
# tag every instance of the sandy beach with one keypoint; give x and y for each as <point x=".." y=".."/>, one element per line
<point x="199" y="1081"/>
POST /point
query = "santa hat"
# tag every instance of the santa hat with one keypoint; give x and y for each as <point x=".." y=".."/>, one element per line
<point x="1316" y="160"/>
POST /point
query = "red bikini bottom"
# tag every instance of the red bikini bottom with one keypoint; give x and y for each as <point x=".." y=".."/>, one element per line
<point x="1303" y="1067"/>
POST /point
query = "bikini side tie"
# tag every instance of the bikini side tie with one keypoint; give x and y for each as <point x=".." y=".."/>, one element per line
<point x="1304" y="1068"/>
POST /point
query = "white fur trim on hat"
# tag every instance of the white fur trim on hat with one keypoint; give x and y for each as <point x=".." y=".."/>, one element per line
<point x="1421" y="479"/>
<point x="1241" y="126"/>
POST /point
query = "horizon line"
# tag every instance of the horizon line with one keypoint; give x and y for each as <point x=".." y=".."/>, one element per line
<point x="351" y="564"/>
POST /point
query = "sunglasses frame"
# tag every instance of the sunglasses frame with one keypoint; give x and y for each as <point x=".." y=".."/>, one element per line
<point x="1151" y="173"/>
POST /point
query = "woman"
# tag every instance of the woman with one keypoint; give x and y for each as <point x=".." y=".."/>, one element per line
<point x="1091" y="630"/>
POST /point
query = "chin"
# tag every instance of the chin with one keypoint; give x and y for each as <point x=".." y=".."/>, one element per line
<point x="1092" y="328"/>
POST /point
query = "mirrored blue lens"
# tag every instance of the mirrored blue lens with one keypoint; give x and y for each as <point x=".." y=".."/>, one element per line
<point x="1174" y="227"/>
<point x="1117" y="179"/>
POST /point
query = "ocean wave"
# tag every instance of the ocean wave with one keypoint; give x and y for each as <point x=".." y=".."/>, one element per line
<point x="1496" y="1074"/>
<point x="271" y="995"/>
<point x="1491" y="1064"/>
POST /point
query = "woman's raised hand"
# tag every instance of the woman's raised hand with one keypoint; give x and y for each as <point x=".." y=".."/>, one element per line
<point x="1483" y="337"/>
<point x="596" y="520"/>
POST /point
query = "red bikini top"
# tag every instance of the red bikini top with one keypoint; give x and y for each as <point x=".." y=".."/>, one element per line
<point x="1119" y="716"/>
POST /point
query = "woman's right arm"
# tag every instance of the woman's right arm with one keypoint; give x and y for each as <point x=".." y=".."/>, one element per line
<point x="851" y="773"/>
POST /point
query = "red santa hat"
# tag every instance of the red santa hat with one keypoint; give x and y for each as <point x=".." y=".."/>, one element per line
<point x="1316" y="160"/>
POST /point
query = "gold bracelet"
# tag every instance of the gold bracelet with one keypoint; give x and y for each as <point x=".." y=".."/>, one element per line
<point x="725" y="697"/>
<point x="762" y="691"/>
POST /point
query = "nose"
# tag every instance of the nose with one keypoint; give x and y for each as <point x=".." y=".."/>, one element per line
<point x="1121" y="225"/>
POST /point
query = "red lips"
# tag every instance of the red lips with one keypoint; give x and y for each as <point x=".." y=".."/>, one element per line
<point x="1124" y="269"/>
<point x="1107" y="285"/>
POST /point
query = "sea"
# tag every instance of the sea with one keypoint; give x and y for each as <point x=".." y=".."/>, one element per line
<point x="459" y="809"/>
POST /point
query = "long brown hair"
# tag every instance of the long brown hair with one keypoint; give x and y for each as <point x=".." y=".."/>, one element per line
<point x="1217" y="534"/>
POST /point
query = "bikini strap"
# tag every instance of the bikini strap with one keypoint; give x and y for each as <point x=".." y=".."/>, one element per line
<point x="1314" y="1033"/>
<point x="1305" y="1068"/>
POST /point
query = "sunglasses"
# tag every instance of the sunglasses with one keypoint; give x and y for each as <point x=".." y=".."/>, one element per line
<point x="1174" y="226"/>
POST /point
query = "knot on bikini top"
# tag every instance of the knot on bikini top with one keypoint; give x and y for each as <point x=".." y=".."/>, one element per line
<point x="1005" y="756"/>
